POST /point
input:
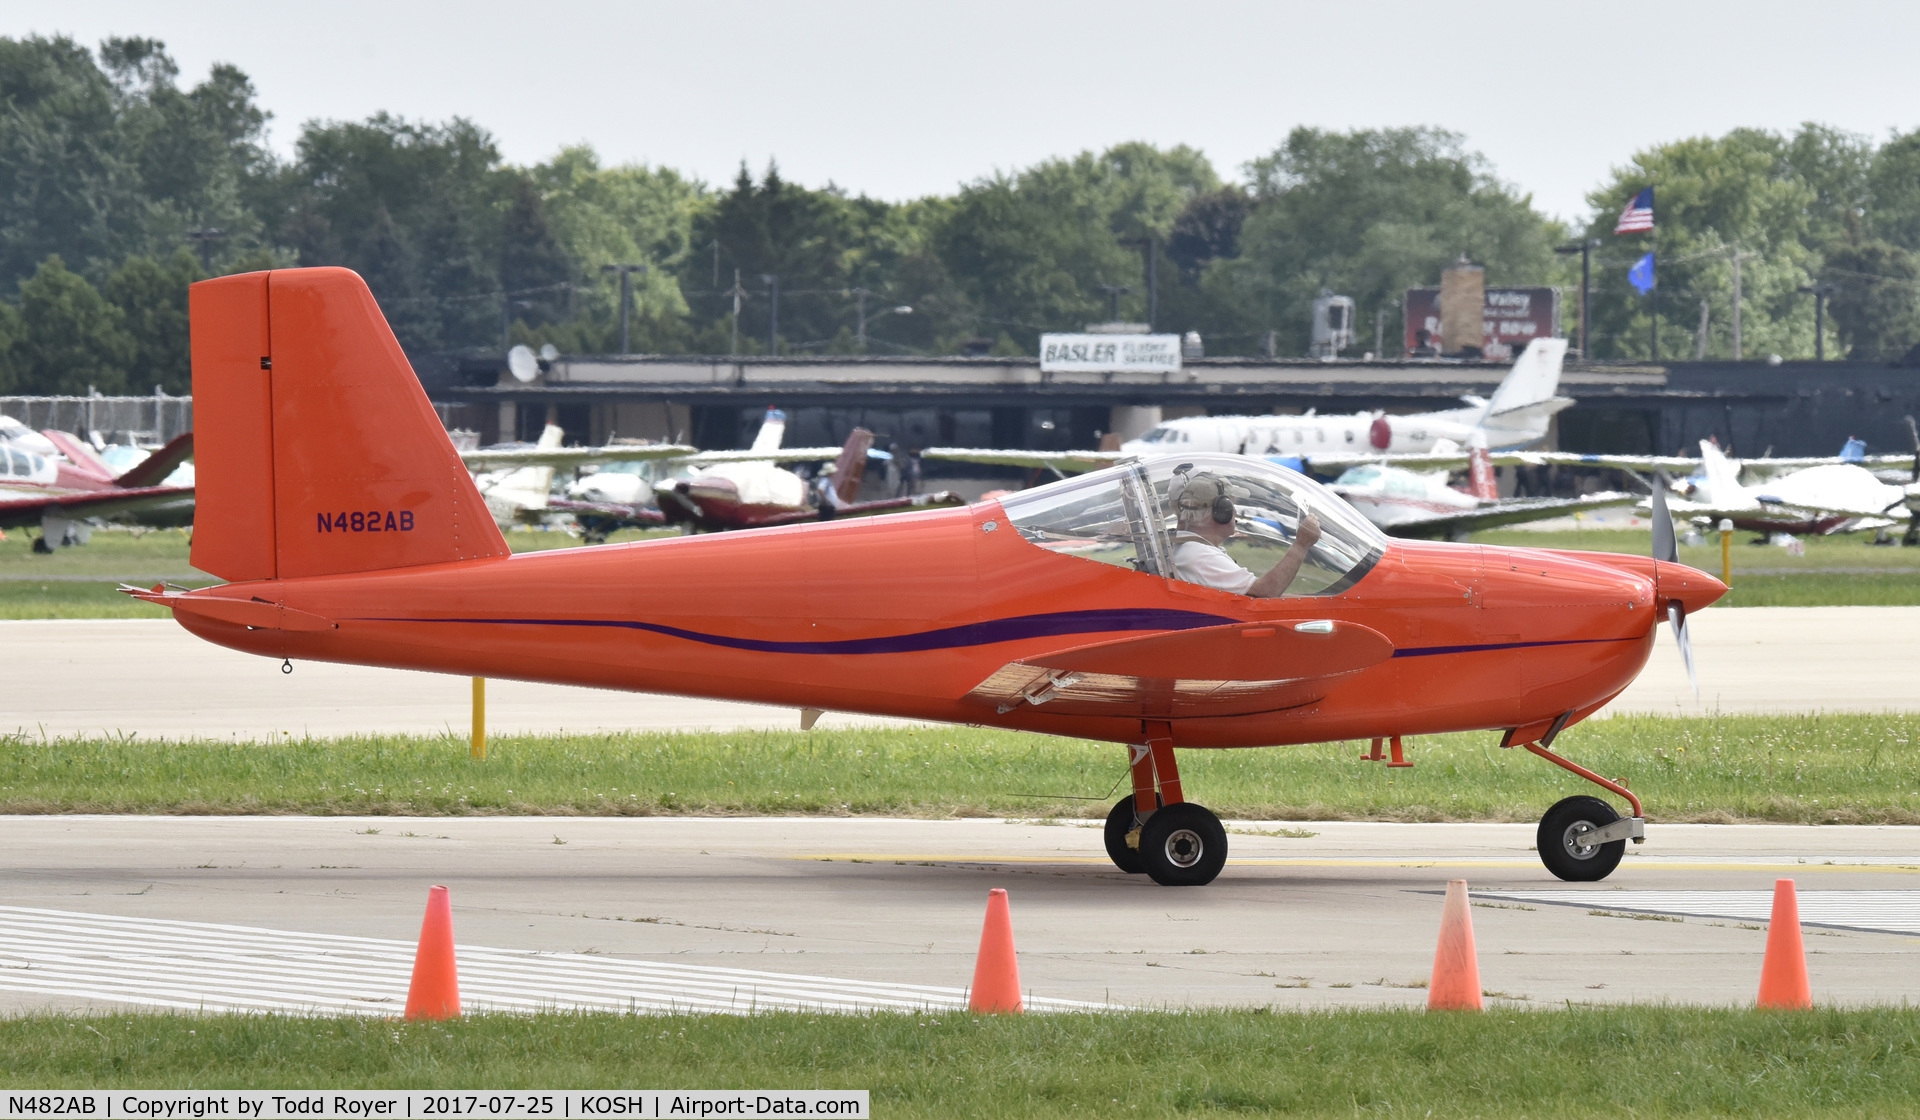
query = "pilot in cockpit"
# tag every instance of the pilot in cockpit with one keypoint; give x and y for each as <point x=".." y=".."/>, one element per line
<point x="1204" y="514"/>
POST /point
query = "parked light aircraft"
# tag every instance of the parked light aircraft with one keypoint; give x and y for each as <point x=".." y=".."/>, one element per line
<point x="1411" y="503"/>
<point x="67" y="494"/>
<point x="349" y="531"/>
<point x="1817" y="499"/>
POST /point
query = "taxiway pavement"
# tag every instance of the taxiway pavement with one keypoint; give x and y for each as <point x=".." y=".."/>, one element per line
<point x="151" y="677"/>
<point x="1305" y="915"/>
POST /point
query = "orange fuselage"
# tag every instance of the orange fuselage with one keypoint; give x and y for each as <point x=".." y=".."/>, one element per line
<point x="906" y="615"/>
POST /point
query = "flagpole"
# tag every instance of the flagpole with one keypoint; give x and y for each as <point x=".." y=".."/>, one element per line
<point x="1654" y="302"/>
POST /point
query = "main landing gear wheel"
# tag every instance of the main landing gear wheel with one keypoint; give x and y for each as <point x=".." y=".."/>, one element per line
<point x="1183" y="845"/>
<point x="1560" y="840"/>
<point x="1119" y="823"/>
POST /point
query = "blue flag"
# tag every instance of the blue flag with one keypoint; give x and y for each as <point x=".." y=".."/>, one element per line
<point x="1641" y="274"/>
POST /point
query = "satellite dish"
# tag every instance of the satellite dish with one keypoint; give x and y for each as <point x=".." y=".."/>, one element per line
<point x="522" y="364"/>
<point x="549" y="352"/>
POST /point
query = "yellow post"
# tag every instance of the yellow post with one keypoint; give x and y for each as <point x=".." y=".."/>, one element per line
<point x="1726" y="552"/>
<point x="480" y="718"/>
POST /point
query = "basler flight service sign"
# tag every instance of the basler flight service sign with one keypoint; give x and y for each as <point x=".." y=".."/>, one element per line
<point x="1109" y="353"/>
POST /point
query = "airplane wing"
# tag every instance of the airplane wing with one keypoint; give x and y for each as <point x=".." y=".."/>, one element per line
<point x="154" y="469"/>
<point x="778" y="455"/>
<point x="1066" y="462"/>
<point x="862" y="509"/>
<point x="1210" y="671"/>
<point x="508" y="457"/>
<point x="1774" y="511"/>
<point x="1335" y="463"/>
<point x="1642" y="463"/>
<point x="1512" y="511"/>
<point x="30" y="509"/>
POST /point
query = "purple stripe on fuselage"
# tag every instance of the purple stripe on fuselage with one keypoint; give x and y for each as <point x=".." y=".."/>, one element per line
<point x="1062" y="624"/>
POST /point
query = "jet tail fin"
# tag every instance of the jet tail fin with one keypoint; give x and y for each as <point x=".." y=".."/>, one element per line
<point x="1535" y="376"/>
<point x="154" y="469"/>
<point x="843" y="487"/>
<point x="317" y="451"/>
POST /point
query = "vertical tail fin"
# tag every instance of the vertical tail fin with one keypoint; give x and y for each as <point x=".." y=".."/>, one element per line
<point x="1723" y="475"/>
<point x="1480" y="480"/>
<point x="1535" y="376"/>
<point x="843" y="487"/>
<point x="772" y="430"/>
<point x="316" y="451"/>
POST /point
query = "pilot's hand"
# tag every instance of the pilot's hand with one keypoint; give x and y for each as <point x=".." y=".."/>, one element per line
<point x="1308" y="533"/>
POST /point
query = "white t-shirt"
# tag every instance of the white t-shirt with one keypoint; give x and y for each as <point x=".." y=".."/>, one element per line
<point x="1209" y="565"/>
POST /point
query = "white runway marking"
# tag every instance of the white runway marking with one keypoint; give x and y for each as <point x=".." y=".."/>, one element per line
<point x="203" y="966"/>
<point x="1869" y="911"/>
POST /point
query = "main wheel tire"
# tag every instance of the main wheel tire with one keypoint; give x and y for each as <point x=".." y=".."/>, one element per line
<point x="1119" y="823"/>
<point x="1559" y="840"/>
<point x="1183" y="845"/>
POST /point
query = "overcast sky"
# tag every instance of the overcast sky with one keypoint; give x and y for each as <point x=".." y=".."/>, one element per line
<point x="899" y="99"/>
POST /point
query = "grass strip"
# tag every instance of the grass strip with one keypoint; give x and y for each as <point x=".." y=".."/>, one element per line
<point x="1835" y="769"/>
<point x="1573" y="1062"/>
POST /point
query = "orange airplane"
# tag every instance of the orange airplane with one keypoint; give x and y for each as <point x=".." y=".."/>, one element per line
<point x="1121" y="605"/>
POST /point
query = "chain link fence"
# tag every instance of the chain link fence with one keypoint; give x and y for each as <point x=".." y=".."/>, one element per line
<point x="146" y="421"/>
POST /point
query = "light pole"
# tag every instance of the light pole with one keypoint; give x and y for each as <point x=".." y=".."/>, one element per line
<point x="1585" y="249"/>
<point x="1820" y="292"/>
<point x="626" y="272"/>
<point x="860" y="314"/>
<point x="1114" y="292"/>
<point x="773" y="312"/>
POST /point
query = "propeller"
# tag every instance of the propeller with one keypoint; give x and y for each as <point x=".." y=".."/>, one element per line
<point x="1666" y="549"/>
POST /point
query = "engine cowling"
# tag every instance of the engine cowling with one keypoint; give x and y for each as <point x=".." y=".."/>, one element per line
<point x="1380" y="434"/>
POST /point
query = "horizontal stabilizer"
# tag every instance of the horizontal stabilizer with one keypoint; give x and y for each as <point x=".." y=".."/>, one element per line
<point x="154" y="469"/>
<point x="255" y="613"/>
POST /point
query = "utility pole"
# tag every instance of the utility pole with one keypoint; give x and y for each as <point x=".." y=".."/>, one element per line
<point x="1737" y="254"/>
<point x="626" y="272"/>
<point x="1820" y="292"/>
<point x="1149" y="247"/>
<point x="205" y="239"/>
<point x="773" y="312"/>
<point x="507" y="304"/>
<point x="1113" y="292"/>
<point x="1585" y="249"/>
<point x="1380" y="333"/>
<point x="733" y="340"/>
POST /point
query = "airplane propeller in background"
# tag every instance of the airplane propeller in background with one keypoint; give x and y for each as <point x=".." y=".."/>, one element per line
<point x="1666" y="549"/>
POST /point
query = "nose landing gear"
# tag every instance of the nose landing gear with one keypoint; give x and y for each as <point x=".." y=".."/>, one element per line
<point x="1582" y="839"/>
<point x="1156" y="831"/>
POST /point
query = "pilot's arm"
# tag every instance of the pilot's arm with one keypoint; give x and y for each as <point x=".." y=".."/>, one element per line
<point x="1275" y="582"/>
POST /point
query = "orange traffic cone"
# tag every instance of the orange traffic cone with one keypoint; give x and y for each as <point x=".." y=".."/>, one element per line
<point x="1783" y="974"/>
<point x="996" y="973"/>
<point x="1455" y="985"/>
<point x="435" y="991"/>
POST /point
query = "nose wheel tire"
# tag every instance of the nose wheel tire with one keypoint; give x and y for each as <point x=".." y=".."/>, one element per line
<point x="1560" y="840"/>
<point x="1119" y="823"/>
<point x="1183" y="845"/>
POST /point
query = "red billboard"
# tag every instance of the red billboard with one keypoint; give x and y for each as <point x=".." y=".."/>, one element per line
<point x="1515" y="317"/>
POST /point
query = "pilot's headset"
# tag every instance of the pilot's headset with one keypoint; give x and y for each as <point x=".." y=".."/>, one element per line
<point x="1196" y="494"/>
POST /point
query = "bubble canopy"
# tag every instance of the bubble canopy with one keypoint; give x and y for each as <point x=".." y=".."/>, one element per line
<point x="1125" y="515"/>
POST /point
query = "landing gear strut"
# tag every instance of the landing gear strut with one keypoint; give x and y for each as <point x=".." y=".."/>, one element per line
<point x="1582" y="839"/>
<point x="1157" y="831"/>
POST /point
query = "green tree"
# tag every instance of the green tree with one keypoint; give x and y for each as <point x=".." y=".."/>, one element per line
<point x="1369" y="214"/>
<point x="1030" y="252"/>
<point x="1876" y="299"/>
<point x="1772" y="200"/>
<point x="71" y="337"/>
<point x="152" y="299"/>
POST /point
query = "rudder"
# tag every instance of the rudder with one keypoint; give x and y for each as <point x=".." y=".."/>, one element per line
<point x="317" y="452"/>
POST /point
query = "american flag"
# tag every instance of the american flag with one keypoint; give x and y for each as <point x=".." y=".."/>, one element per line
<point x="1638" y="216"/>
